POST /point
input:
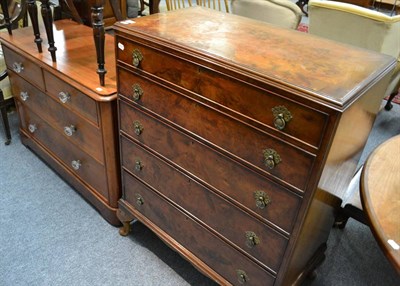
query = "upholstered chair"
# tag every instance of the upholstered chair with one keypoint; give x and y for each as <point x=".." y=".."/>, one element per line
<point x="283" y="13"/>
<point x="360" y="27"/>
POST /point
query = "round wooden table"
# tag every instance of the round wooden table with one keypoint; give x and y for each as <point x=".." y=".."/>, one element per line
<point x="380" y="197"/>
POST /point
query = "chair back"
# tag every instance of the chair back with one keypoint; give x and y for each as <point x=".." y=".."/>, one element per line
<point x="283" y="13"/>
<point x="16" y="12"/>
<point x="212" y="4"/>
<point x="354" y="25"/>
<point x="360" y="27"/>
<point x="177" y="4"/>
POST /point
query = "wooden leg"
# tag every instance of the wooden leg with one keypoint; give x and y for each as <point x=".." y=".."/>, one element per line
<point x="48" y="23"/>
<point x="116" y="10"/>
<point x="7" y="20"/>
<point x="389" y="104"/>
<point x="154" y="6"/>
<point x="3" y="107"/>
<point x="319" y="257"/>
<point x="33" y="14"/>
<point x="75" y="15"/>
<point x="99" y="38"/>
<point x="125" y="229"/>
<point x="126" y="220"/>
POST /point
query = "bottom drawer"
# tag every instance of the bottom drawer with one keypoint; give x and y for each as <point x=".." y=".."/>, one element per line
<point x="224" y="259"/>
<point x="78" y="162"/>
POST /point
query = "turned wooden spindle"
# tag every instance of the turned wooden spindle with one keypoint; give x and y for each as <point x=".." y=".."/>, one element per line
<point x="33" y="14"/>
<point x="99" y="37"/>
<point x="48" y="24"/>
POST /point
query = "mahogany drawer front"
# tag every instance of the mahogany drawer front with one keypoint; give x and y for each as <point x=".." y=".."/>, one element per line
<point x="290" y="164"/>
<point x="306" y="125"/>
<point x="221" y="257"/>
<point x="73" y="127"/>
<point x="78" y="162"/>
<point x="24" y="67"/>
<point x="225" y="218"/>
<point x="71" y="97"/>
<point x="278" y="207"/>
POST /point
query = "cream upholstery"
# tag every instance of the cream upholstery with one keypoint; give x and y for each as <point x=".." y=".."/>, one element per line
<point x="360" y="27"/>
<point x="5" y="83"/>
<point x="283" y="13"/>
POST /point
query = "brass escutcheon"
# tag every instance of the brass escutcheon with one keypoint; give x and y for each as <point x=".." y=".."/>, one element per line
<point x="251" y="239"/>
<point x="281" y="116"/>
<point x="137" y="127"/>
<point x="262" y="199"/>
<point x="137" y="57"/>
<point x="137" y="92"/>
<point x="271" y="158"/>
<point x="242" y="276"/>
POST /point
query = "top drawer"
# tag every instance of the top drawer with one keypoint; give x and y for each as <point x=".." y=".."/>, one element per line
<point x="71" y="97"/>
<point x="24" y="67"/>
<point x="253" y="103"/>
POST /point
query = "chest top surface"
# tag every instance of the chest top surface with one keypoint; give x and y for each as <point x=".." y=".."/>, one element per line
<point x="76" y="54"/>
<point x="332" y="72"/>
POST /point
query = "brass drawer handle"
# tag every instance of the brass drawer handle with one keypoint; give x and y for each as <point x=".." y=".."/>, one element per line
<point x="262" y="199"/>
<point x="63" y="96"/>
<point x="137" y="57"/>
<point x="17" y="67"/>
<point x="32" y="128"/>
<point x="251" y="239"/>
<point x="137" y="92"/>
<point x="138" y="128"/>
<point x="242" y="276"/>
<point x="139" y="200"/>
<point x="271" y="158"/>
<point x="24" y="95"/>
<point x="76" y="164"/>
<point x="138" y="165"/>
<point x="69" y="130"/>
<point x="281" y="116"/>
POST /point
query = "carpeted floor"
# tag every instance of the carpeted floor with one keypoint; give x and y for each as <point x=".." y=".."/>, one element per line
<point x="50" y="236"/>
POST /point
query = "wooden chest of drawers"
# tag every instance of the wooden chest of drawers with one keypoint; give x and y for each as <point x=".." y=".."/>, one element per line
<point x="66" y="117"/>
<point x="233" y="134"/>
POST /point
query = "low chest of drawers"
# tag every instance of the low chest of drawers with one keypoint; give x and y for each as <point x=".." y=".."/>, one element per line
<point x="233" y="135"/>
<point x="66" y="117"/>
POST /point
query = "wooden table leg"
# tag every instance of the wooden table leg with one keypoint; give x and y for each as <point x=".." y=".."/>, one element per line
<point x="99" y="37"/>
<point x="33" y="14"/>
<point x="48" y="23"/>
<point x="75" y="15"/>
<point x="116" y="10"/>
<point x="154" y="6"/>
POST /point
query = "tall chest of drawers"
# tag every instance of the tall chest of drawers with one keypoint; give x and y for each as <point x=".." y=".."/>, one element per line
<point x="66" y="117"/>
<point x="233" y="135"/>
